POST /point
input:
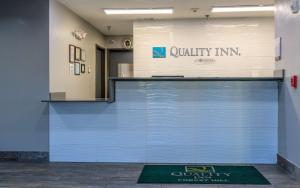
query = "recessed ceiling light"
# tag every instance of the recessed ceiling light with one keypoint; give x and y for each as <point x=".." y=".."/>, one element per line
<point x="139" y="11"/>
<point x="244" y="9"/>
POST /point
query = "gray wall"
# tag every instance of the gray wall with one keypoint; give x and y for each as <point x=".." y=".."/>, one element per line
<point x="24" y="78"/>
<point x="288" y="27"/>
<point x="62" y="23"/>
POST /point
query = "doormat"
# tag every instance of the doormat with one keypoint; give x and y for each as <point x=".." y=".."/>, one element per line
<point x="194" y="174"/>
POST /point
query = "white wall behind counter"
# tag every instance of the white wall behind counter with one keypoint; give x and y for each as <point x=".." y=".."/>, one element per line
<point x="253" y="36"/>
<point x="62" y="22"/>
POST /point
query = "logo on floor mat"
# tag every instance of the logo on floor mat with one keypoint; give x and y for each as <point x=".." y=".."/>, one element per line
<point x="200" y="169"/>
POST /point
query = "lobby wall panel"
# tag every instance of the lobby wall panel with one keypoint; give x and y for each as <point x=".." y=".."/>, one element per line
<point x="173" y="122"/>
<point x="24" y="77"/>
<point x="288" y="28"/>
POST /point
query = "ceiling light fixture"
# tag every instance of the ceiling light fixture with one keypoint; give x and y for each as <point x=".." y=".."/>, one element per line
<point x="243" y="9"/>
<point x="138" y="11"/>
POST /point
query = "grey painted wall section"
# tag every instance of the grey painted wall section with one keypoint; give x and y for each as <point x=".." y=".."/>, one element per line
<point x="288" y="27"/>
<point x="171" y="122"/>
<point x="24" y="78"/>
<point x="62" y="23"/>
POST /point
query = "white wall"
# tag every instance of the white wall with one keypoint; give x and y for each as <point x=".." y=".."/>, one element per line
<point x="253" y="36"/>
<point x="288" y="27"/>
<point x="62" y="23"/>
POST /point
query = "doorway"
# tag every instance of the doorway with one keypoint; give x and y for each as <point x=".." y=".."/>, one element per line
<point x="100" y="72"/>
<point x="120" y="63"/>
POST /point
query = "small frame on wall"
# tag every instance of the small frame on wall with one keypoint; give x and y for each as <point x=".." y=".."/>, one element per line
<point x="83" y="55"/>
<point x="78" y="54"/>
<point x="82" y="68"/>
<point x="72" y="53"/>
<point x="77" y="68"/>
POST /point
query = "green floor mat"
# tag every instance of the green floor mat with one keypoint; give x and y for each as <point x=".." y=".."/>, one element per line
<point x="194" y="174"/>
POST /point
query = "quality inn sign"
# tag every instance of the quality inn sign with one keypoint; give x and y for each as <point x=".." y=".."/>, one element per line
<point x="204" y="52"/>
<point x="176" y="52"/>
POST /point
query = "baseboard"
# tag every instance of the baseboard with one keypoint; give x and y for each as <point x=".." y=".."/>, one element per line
<point x="289" y="167"/>
<point x="24" y="156"/>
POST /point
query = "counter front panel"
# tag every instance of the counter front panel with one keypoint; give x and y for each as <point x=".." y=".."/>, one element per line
<point x="170" y="122"/>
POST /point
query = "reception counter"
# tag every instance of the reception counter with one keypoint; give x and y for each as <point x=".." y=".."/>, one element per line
<point x="170" y="120"/>
<point x="113" y="80"/>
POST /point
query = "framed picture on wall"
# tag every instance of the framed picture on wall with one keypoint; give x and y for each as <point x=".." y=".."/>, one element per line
<point x="77" y="54"/>
<point x="83" y="55"/>
<point x="77" y="68"/>
<point x="82" y="68"/>
<point x="71" y="53"/>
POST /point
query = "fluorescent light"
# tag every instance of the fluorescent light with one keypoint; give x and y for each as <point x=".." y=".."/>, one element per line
<point x="139" y="11"/>
<point x="244" y="9"/>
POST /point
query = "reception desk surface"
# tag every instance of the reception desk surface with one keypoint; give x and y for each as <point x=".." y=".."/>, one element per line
<point x="164" y="78"/>
<point x="114" y="79"/>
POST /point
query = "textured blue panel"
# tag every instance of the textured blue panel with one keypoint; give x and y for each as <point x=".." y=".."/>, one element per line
<point x="170" y="122"/>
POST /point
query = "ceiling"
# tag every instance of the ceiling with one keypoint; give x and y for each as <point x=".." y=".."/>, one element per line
<point x="92" y="11"/>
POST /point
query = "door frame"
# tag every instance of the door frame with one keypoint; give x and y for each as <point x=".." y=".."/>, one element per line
<point x="97" y="46"/>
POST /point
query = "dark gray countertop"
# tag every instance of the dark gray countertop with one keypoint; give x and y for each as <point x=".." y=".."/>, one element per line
<point x="113" y="79"/>
<point x="196" y="79"/>
<point x="76" y="100"/>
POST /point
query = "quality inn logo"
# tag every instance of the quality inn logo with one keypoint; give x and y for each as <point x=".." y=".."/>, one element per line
<point x="200" y="169"/>
<point x="177" y="52"/>
<point x="159" y="52"/>
<point x="200" y="173"/>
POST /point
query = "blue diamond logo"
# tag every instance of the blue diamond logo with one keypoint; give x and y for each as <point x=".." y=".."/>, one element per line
<point x="159" y="52"/>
